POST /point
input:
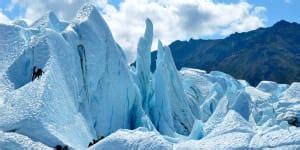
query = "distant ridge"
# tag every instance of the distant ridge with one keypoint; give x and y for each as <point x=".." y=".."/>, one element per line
<point x="271" y="53"/>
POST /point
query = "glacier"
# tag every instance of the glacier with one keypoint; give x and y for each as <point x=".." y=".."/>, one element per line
<point x="88" y="92"/>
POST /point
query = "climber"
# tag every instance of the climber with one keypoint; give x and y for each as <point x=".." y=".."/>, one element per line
<point x="95" y="141"/>
<point x="37" y="73"/>
<point x="33" y="73"/>
<point x="59" y="147"/>
<point x="90" y="144"/>
<point x="101" y="137"/>
<point x="66" y="147"/>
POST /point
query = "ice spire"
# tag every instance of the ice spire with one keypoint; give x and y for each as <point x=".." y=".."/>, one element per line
<point x="161" y="112"/>
<point x="111" y="90"/>
<point x="50" y="20"/>
<point x="144" y="79"/>
<point x="169" y="88"/>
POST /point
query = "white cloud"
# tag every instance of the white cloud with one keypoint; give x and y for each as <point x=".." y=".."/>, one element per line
<point x="172" y="19"/>
<point x="65" y="9"/>
<point x="4" y="18"/>
<point x="180" y="20"/>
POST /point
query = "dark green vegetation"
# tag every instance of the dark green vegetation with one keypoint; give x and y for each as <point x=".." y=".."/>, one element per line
<point x="264" y="54"/>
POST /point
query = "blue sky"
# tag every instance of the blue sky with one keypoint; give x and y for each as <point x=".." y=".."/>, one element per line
<point x="277" y="10"/>
<point x="172" y="19"/>
<point x="280" y="9"/>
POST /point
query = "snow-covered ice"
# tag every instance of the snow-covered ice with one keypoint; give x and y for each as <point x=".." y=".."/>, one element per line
<point x="133" y="139"/>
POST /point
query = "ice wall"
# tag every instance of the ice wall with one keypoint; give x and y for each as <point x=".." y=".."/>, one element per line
<point x="111" y="92"/>
<point x="170" y="98"/>
<point x="143" y="61"/>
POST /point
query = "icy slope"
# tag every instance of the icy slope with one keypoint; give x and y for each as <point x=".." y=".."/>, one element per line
<point x="50" y="21"/>
<point x="88" y="91"/>
<point x="13" y="140"/>
<point x="73" y="102"/>
<point x="43" y="110"/>
<point x="143" y="74"/>
<point x="170" y="98"/>
<point x="111" y="92"/>
<point x="235" y="131"/>
<point x="136" y="139"/>
<point x="70" y="104"/>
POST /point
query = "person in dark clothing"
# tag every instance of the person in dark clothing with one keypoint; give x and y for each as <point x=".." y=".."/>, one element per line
<point x="33" y="73"/>
<point x="66" y="147"/>
<point x="95" y="141"/>
<point x="90" y="144"/>
<point x="101" y="137"/>
<point x="37" y="73"/>
<point x="58" y="147"/>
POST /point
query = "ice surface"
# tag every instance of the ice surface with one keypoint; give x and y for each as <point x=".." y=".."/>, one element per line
<point x="242" y="105"/>
<point x="51" y="21"/>
<point x="197" y="132"/>
<point x="233" y="122"/>
<point x="169" y="91"/>
<point x="161" y="111"/>
<point x="288" y="105"/>
<point x="42" y="109"/>
<point x="133" y="139"/>
<point x="111" y="92"/>
<point x="72" y="100"/>
<point x="17" y="141"/>
<point x="278" y="138"/>
<point x="21" y="23"/>
<point x="217" y="116"/>
<point x="272" y="87"/>
<point x="235" y="140"/>
<point x="233" y="132"/>
<point x="143" y="62"/>
<point x="88" y="91"/>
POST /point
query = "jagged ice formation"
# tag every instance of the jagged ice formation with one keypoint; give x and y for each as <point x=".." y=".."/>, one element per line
<point x="88" y="91"/>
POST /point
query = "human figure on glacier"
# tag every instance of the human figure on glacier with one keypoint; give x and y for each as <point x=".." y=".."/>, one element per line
<point x="95" y="141"/>
<point x="33" y="73"/>
<point x="37" y="73"/>
<point x="90" y="144"/>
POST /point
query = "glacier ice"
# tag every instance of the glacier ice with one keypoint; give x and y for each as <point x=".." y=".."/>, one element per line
<point x="277" y="138"/>
<point x="234" y="132"/>
<point x="51" y="21"/>
<point x="12" y="140"/>
<point x="140" y="138"/>
<point x="161" y="111"/>
<point x="242" y="105"/>
<point x="42" y="109"/>
<point x="143" y="74"/>
<point x="21" y="23"/>
<point x="88" y="91"/>
<point x="197" y="130"/>
<point x="170" y="99"/>
<point x="105" y="71"/>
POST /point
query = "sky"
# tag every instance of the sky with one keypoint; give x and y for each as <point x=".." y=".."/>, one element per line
<point x="172" y="19"/>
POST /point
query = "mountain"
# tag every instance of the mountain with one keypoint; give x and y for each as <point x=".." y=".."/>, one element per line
<point x="87" y="97"/>
<point x="271" y="54"/>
